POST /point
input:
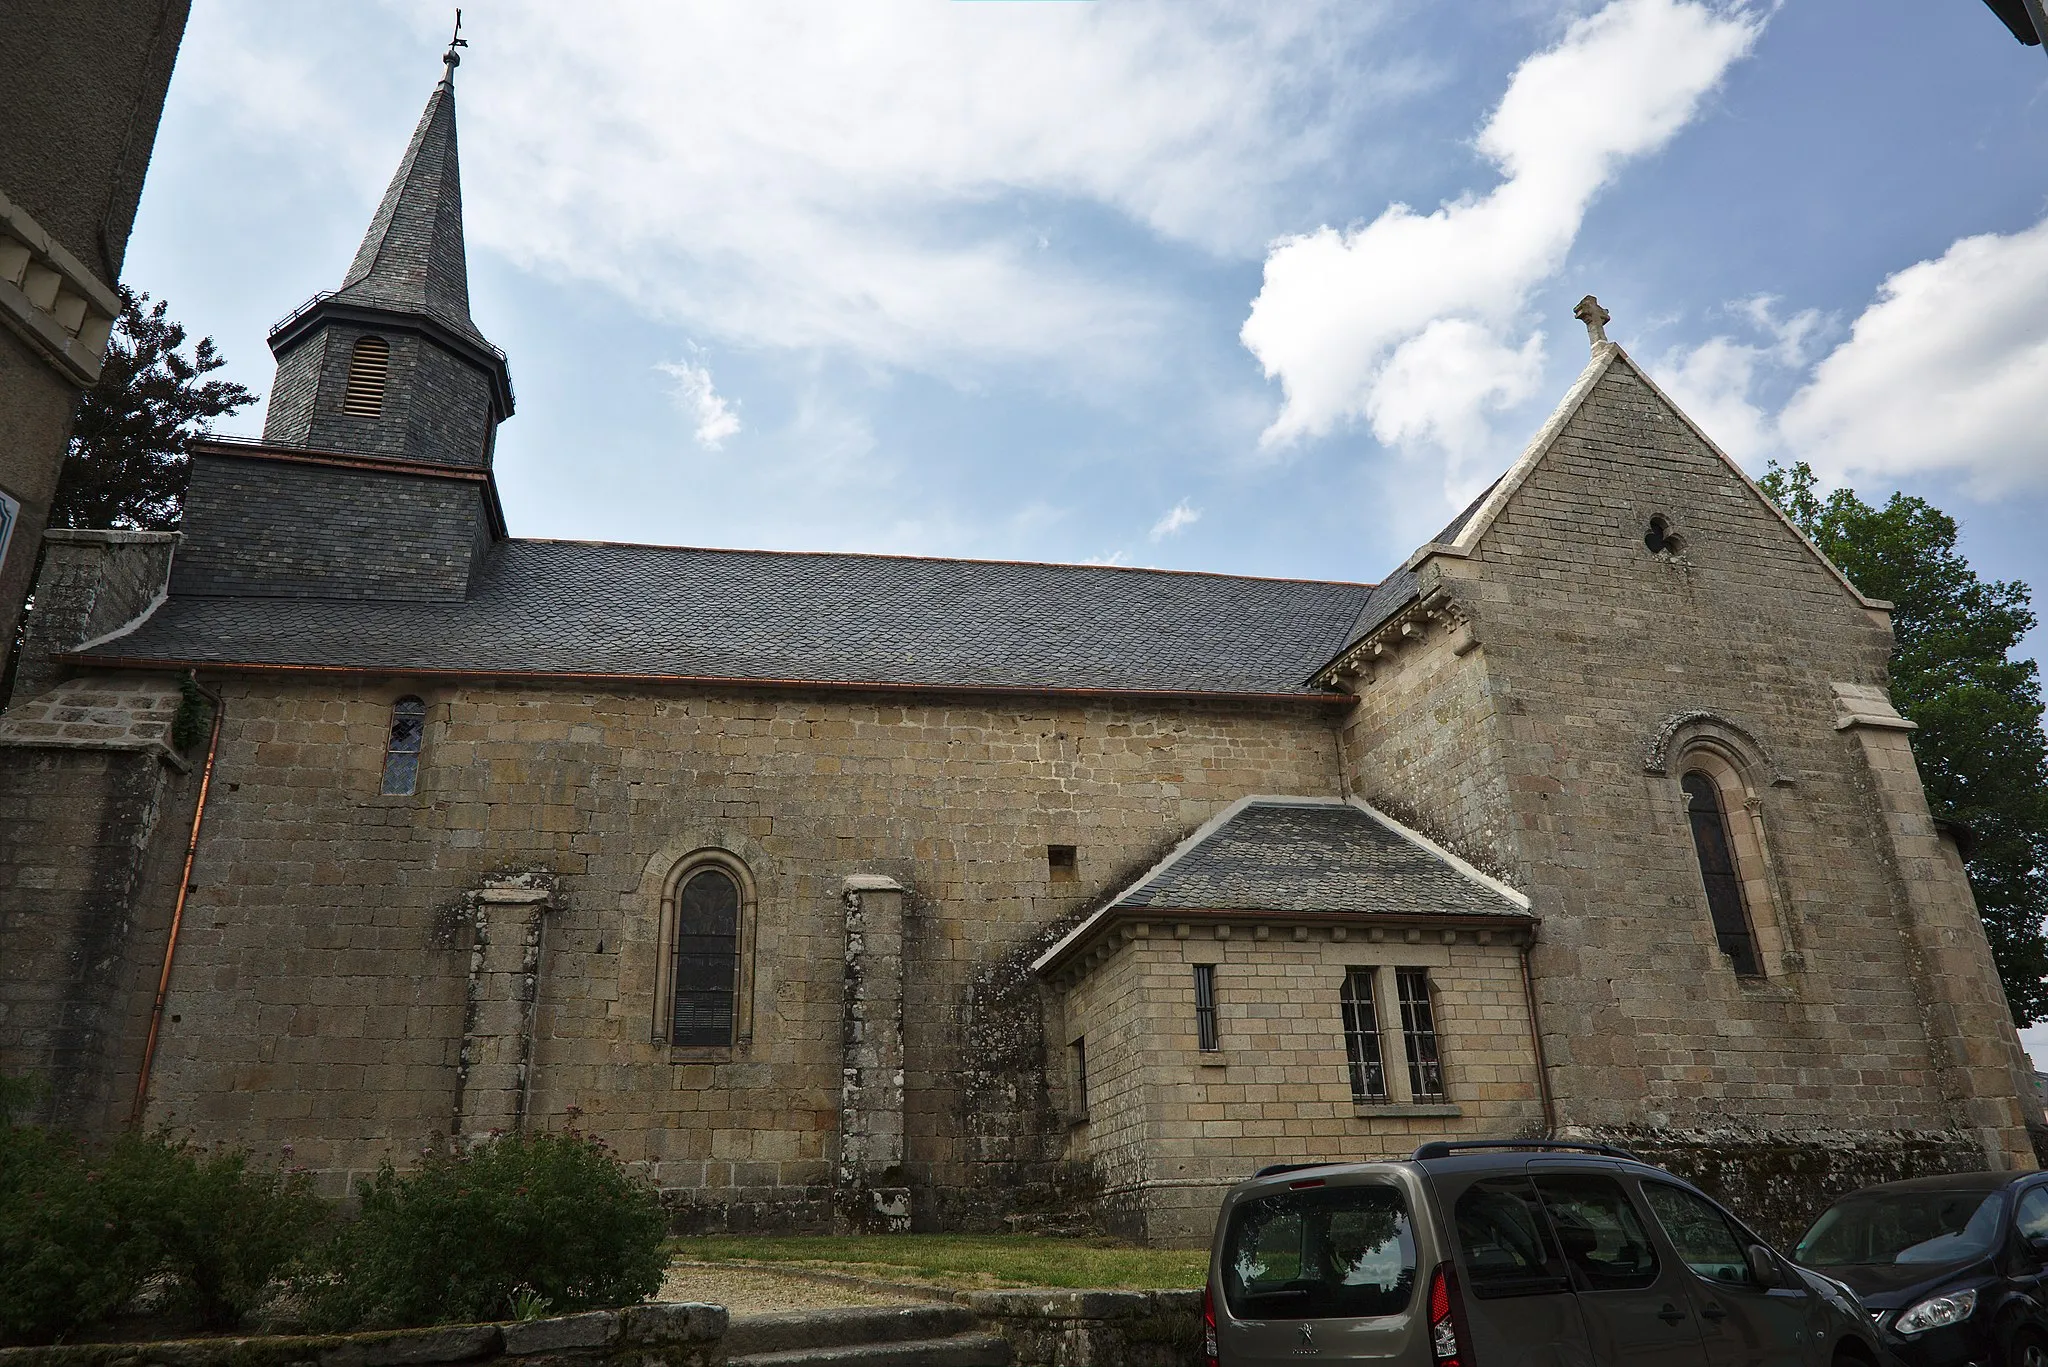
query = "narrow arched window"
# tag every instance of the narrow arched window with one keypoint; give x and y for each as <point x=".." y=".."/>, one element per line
<point x="402" y="750"/>
<point x="1710" y="841"/>
<point x="369" y="366"/>
<point x="705" y="967"/>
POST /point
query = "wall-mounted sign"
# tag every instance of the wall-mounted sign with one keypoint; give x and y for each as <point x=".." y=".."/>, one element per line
<point x="10" y="514"/>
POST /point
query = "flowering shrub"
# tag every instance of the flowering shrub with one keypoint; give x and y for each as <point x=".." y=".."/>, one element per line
<point x="488" y="1231"/>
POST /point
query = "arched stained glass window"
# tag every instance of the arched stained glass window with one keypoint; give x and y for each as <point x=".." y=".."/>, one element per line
<point x="402" y="750"/>
<point x="706" y="965"/>
<point x="1717" y="870"/>
<point x="369" y="367"/>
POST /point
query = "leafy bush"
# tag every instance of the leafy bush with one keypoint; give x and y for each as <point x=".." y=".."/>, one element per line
<point x="480" y="1233"/>
<point x="226" y="1236"/>
<point x="82" y="1229"/>
<point x="72" y="1256"/>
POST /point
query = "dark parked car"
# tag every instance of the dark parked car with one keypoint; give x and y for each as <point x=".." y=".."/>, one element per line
<point x="1510" y="1254"/>
<point x="1951" y="1268"/>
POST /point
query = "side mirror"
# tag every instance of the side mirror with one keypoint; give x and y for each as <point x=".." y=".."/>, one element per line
<point x="1764" y="1266"/>
<point x="2037" y="1244"/>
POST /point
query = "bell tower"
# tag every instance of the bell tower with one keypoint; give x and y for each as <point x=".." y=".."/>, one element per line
<point x="390" y="364"/>
<point x="373" y="477"/>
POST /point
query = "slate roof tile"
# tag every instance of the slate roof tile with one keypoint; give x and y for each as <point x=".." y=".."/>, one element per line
<point x="601" y="608"/>
<point x="1314" y="857"/>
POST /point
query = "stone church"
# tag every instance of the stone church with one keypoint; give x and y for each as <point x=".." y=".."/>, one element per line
<point x="886" y="892"/>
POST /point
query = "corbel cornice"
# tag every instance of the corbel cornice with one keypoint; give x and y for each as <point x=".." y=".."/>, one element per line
<point x="1434" y="611"/>
<point x="51" y="299"/>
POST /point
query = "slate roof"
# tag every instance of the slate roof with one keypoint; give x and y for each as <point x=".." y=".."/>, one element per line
<point x="1332" y="856"/>
<point x="1302" y="856"/>
<point x="556" y="607"/>
<point x="412" y="258"/>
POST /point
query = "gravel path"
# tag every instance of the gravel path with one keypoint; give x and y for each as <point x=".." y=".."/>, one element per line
<point x="758" y="1290"/>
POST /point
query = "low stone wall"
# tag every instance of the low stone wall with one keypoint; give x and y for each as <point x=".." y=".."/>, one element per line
<point x="1093" y="1328"/>
<point x="664" y="1334"/>
<point x="1780" y="1183"/>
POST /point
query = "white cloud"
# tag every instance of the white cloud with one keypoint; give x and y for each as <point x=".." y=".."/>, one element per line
<point x="691" y="387"/>
<point x="1715" y="381"/>
<point x="881" y="179"/>
<point x="1179" y="517"/>
<point x="1417" y="323"/>
<point x="1944" y="372"/>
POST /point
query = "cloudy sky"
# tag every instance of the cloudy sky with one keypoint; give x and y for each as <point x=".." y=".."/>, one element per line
<point x="1209" y="284"/>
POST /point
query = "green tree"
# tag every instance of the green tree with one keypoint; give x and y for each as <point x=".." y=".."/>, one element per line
<point x="128" y="463"/>
<point x="1981" y="749"/>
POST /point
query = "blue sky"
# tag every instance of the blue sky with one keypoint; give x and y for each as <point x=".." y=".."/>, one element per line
<point x="1116" y="280"/>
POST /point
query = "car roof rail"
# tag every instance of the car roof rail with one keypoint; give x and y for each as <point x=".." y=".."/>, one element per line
<point x="1275" y="1169"/>
<point x="1445" y="1148"/>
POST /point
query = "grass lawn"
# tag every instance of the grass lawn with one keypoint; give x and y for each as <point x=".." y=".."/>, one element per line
<point x="966" y="1261"/>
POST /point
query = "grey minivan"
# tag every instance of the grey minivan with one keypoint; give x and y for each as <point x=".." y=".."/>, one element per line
<point x="1510" y="1253"/>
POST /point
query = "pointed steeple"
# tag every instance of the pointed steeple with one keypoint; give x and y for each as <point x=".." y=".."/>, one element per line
<point x="391" y="364"/>
<point x="412" y="257"/>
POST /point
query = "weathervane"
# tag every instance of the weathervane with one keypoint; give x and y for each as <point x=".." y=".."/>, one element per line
<point x="451" y="58"/>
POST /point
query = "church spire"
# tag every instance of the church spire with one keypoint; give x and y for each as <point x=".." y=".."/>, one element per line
<point x="413" y="257"/>
<point x="390" y="364"/>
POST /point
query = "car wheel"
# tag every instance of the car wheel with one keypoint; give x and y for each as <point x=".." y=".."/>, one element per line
<point x="2026" y="1350"/>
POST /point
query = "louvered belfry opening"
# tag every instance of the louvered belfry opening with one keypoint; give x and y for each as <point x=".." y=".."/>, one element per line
<point x="369" y="366"/>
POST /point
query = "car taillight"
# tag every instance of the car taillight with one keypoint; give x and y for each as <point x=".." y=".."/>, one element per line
<point x="1447" y="1319"/>
<point x="1209" y="1325"/>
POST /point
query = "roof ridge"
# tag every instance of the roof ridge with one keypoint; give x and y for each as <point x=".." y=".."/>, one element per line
<point x="937" y="560"/>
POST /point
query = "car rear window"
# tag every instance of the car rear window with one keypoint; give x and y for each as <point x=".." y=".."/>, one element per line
<point x="1506" y="1242"/>
<point x="1878" y="1228"/>
<point x="1320" y="1253"/>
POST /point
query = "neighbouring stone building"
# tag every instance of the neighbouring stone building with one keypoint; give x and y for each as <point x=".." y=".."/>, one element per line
<point x="906" y="893"/>
<point x="81" y="89"/>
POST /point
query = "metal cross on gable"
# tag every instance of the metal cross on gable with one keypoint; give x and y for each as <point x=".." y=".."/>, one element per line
<point x="451" y="58"/>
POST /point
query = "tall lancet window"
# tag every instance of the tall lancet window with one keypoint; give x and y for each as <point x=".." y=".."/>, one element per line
<point x="706" y="967"/>
<point x="402" y="750"/>
<point x="1710" y="841"/>
<point x="369" y="367"/>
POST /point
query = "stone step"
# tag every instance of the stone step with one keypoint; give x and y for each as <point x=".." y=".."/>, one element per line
<point x="960" y="1350"/>
<point x="788" y="1330"/>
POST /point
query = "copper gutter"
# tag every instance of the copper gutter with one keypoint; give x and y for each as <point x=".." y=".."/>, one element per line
<point x="96" y="661"/>
<point x="163" y="981"/>
<point x="1536" y="1041"/>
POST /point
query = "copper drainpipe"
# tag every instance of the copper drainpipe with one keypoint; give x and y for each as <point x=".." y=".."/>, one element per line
<point x="163" y="981"/>
<point x="1536" y="1039"/>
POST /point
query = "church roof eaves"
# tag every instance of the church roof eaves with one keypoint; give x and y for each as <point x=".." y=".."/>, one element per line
<point x="792" y="620"/>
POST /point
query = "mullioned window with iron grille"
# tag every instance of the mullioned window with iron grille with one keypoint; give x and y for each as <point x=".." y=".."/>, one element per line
<point x="1362" y="1037"/>
<point x="1418" y="1034"/>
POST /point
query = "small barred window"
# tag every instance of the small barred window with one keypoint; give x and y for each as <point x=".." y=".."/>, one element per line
<point x="1362" y="1037"/>
<point x="369" y="366"/>
<point x="402" y="750"/>
<point x="1418" y="1034"/>
<point x="1206" y="1037"/>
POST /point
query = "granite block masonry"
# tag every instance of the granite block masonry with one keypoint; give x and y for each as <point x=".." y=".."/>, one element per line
<point x="1063" y="894"/>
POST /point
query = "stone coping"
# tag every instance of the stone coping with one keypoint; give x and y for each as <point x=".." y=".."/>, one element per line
<point x="675" y="1331"/>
